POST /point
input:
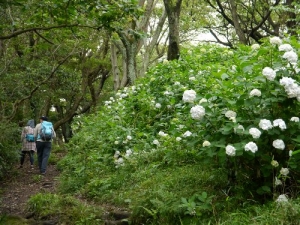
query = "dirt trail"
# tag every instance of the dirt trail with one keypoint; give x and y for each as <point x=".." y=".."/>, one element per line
<point x="22" y="184"/>
<point x="26" y="182"/>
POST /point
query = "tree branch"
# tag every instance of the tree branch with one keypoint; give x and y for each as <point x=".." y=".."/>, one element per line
<point x="19" y="32"/>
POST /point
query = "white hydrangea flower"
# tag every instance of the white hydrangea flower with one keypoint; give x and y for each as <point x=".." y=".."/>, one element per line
<point x="189" y="96"/>
<point x="285" y="48"/>
<point x="230" y="114"/>
<point x="116" y="142"/>
<point x="254" y="132"/>
<point x="177" y="83"/>
<point x="117" y="154"/>
<point x="163" y="134"/>
<point x="278" y="144"/>
<point x="192" y="78"/>
<point x="128" y="153"/>
<point x="284" y="171"/>
<point x="269" y="73"/>
<point x="255" y="92"/>
<point x="129" y="137"/>
<point x="178" y="138"/>
<point x="290" y="56"/>
<point x="275" y="41"/>
<point x="202" y="100"/>
<point x="282" y="199"/>
<point x="251" y="146"/>
<point x="230" y="150"/>
<point x="123" y="95"/>
<point x="197" y="112"/>
<point x="279" y="123"/>
<point x="295" y="119"/>
<point x="206" y="144"/>
<point x="286" y="81"/>
<point x="255" y="46"/>
<point x="277" y="182"/>
<point x="265" y="124"/>
<point x="155" y="142"/>
<point x="168" y="93"/>
<point x="120" y="160"/>
<point x="291" y="87"/>
<point x="158" y="105"/>
<point x="187" y="134"/>
<point x="290" y="153"/>
<point x="274" y="163"/>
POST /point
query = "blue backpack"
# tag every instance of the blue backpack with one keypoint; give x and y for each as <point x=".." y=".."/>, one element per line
<point x="29" y="136"/>
<point x="46" y="133"/>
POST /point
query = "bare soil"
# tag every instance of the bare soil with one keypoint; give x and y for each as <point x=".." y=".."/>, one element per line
<point x="23" y="183"/>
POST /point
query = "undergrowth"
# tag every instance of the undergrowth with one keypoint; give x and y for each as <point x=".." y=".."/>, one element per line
<point x="177" y="148"/>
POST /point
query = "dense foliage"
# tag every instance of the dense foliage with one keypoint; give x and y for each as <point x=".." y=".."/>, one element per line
<point x="214" y="130"/>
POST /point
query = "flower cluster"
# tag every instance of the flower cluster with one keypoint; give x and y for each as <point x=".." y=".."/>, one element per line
<point x="230" y="150"/>
<point x="291" y="57"/>
<point x="282" y="199"/>
<point x="230" y="114"/>
<point x="255" y="132"/>
<point x="291" y="87"/>
<point x="279" y="123"/>
<point x="197" y="112"/>
<point x="163" y="134"/>
<point x="275" y="41"/>
<point x="251" y="146"/>
<point x="265" y="124"/>
<point x="269" y="73"/>
<point x="255" y="92"/>
<point x="278" y="144"/>
<point x="189" y="96"/>
<point x="206" y="144"/>
<point x="285" y="47"/>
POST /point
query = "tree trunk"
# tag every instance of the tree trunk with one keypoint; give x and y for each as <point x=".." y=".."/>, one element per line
<point x="291" y="23"/>
<point x="236" y="22"/>
<point x="173" y="12"/>
<point x="114" y="64"/>
<point x="151" y="46"/>
<point x="130" y="45"/>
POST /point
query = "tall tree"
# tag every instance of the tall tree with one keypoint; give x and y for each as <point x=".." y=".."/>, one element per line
<point x="248" y="21"/>
<point x="173" y="9"/>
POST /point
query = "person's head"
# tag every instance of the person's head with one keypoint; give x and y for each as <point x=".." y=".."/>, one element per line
<point x="43" y="118"/>
<point x="30" y="123"/>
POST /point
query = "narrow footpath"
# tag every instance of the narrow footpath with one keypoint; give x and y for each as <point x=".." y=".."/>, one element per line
<point x="21" y="185"/>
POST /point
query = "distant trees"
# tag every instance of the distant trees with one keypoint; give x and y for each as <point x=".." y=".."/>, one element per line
<point x="65" y="57"/>
<point x="248" y="22"/>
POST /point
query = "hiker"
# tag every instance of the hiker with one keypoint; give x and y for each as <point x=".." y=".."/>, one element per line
<point x="28" y="143"/>
<point x="43" y="142"/>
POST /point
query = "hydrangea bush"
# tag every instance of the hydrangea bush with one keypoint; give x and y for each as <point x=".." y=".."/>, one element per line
<point x="235" y="110"/>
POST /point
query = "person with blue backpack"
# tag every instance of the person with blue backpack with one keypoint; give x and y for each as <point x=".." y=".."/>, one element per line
<point x="44" y="134"/>
<point x="28" y="143"/>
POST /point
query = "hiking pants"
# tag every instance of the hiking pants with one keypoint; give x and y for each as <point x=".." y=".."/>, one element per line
<point x="30" y="153"/>
<point x="43" y="154"/>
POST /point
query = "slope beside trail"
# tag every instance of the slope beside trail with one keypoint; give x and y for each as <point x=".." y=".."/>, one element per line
<point x="21" y="184"/>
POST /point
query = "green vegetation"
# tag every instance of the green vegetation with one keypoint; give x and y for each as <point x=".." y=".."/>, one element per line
<point x="154" y="150"/>
<point x="65" y="208"/>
